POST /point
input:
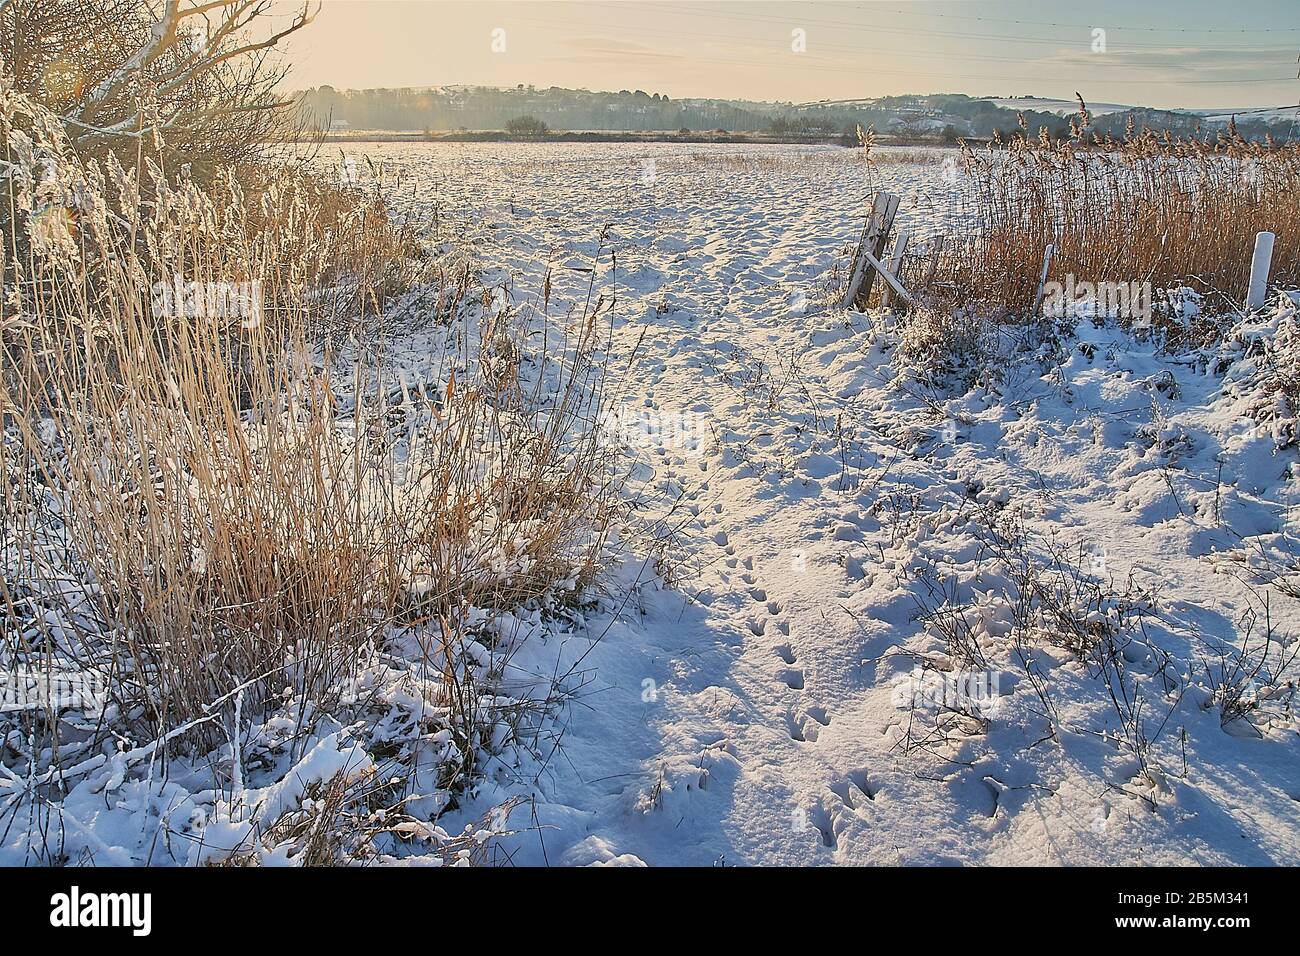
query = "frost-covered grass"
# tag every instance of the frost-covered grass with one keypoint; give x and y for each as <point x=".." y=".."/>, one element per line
<point x="296" y="576"/>
<point x="1176" y="213"/>
<point x="828" y="514"/>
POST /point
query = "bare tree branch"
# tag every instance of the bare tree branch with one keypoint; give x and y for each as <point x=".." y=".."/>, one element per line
<point x="197" y="70"/>
<point x="180" y="78"/>
<point x="161" y="36"/>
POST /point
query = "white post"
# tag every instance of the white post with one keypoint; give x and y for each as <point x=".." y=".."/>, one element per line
<point x="1042" y="277"/>
<point x="895" y="263"/>
<point x="1259" y="266"/>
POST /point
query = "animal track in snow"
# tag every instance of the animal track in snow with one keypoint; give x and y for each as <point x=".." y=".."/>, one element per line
<point x="793" y="678"/>
<point x="808" y="722"/>
<point x="843" y="790"/>
<point x="820" y="819"/>
<point x="859" y="779"/>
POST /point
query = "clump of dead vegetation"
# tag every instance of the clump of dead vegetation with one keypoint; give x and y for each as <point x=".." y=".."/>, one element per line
<point x="220" y="486"/>
<point x="223" y="509"/>
<point x="949" y="347"/>
<point x="1177" y="212"/>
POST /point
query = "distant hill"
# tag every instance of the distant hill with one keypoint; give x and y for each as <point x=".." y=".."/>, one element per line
<point x="1059" y="107"/>
<point x="937" y="117"/>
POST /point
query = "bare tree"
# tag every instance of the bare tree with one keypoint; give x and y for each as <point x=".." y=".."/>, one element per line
<point x="196" y="75"/>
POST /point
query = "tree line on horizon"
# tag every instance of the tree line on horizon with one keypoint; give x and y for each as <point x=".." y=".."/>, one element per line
<point x="939" y="117"/>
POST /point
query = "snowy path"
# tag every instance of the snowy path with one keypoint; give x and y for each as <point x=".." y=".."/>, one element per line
<point x="748" y="714"/>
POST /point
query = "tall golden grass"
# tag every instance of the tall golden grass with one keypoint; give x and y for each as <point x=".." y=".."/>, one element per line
<point x="195" y="503"/>
<point x="1176" y="212"/>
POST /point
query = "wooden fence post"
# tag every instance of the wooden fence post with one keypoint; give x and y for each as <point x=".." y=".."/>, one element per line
<point x="895" y="263"/>
<point x="874" y="237"/>
<point x="936" y="253"/>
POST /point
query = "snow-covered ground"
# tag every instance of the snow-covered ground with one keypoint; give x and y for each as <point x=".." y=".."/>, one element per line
<point x="858" y="617"/>
<point x="816" y="500"/>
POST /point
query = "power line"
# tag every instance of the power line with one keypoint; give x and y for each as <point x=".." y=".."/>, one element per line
<point x="858" y="49"/>
<point x="1083" y="26"/>
<point x="805" y="58"/>
<point x="876" y="28"/>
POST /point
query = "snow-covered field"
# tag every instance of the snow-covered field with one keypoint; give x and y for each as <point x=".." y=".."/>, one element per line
<point x="860" y="617"/>
<point x="816" y="501"/>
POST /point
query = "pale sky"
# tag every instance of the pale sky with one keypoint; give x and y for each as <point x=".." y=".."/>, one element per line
<point x="1162" y="53"/>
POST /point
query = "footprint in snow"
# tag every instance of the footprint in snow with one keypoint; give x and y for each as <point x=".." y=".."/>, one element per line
<point x="825" y="826"/>
<point x="819" y="714"/>
<point x="859" y="779"/>
<point x="793" y="678"/>
<point x="808" y="729"/>
<point x="843" y="791"/>
<point x="795" y="727"/>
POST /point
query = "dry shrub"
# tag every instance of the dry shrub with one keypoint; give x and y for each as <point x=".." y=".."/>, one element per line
<point x="197" y="502"/>
<point x="202" y="78"/>
<point x="358" y="257"/>
<point x="950" y="347"/>
<point x="1176" y="212"/>
<point x="911" y="157"/>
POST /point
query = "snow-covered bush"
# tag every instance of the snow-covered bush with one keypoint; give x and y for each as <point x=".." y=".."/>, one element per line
<point x="1171" y="212"/>
<point x="220" y="526"/>
<point x="950" y="348"/>
<point x="1259" y="359"/>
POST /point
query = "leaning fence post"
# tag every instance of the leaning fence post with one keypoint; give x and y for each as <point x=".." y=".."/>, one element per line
<point x="1042" y="278"/>
<point x="1259" y="266"/>
<point x="874" y="237"/>
<point x="889" y="278"/>
<point x="895" y="263"/>
<point x="936" y="253"/>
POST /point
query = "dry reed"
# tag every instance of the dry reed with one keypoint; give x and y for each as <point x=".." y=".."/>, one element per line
<point x="197" y="500"/>
<point x="1174" y="212"/>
